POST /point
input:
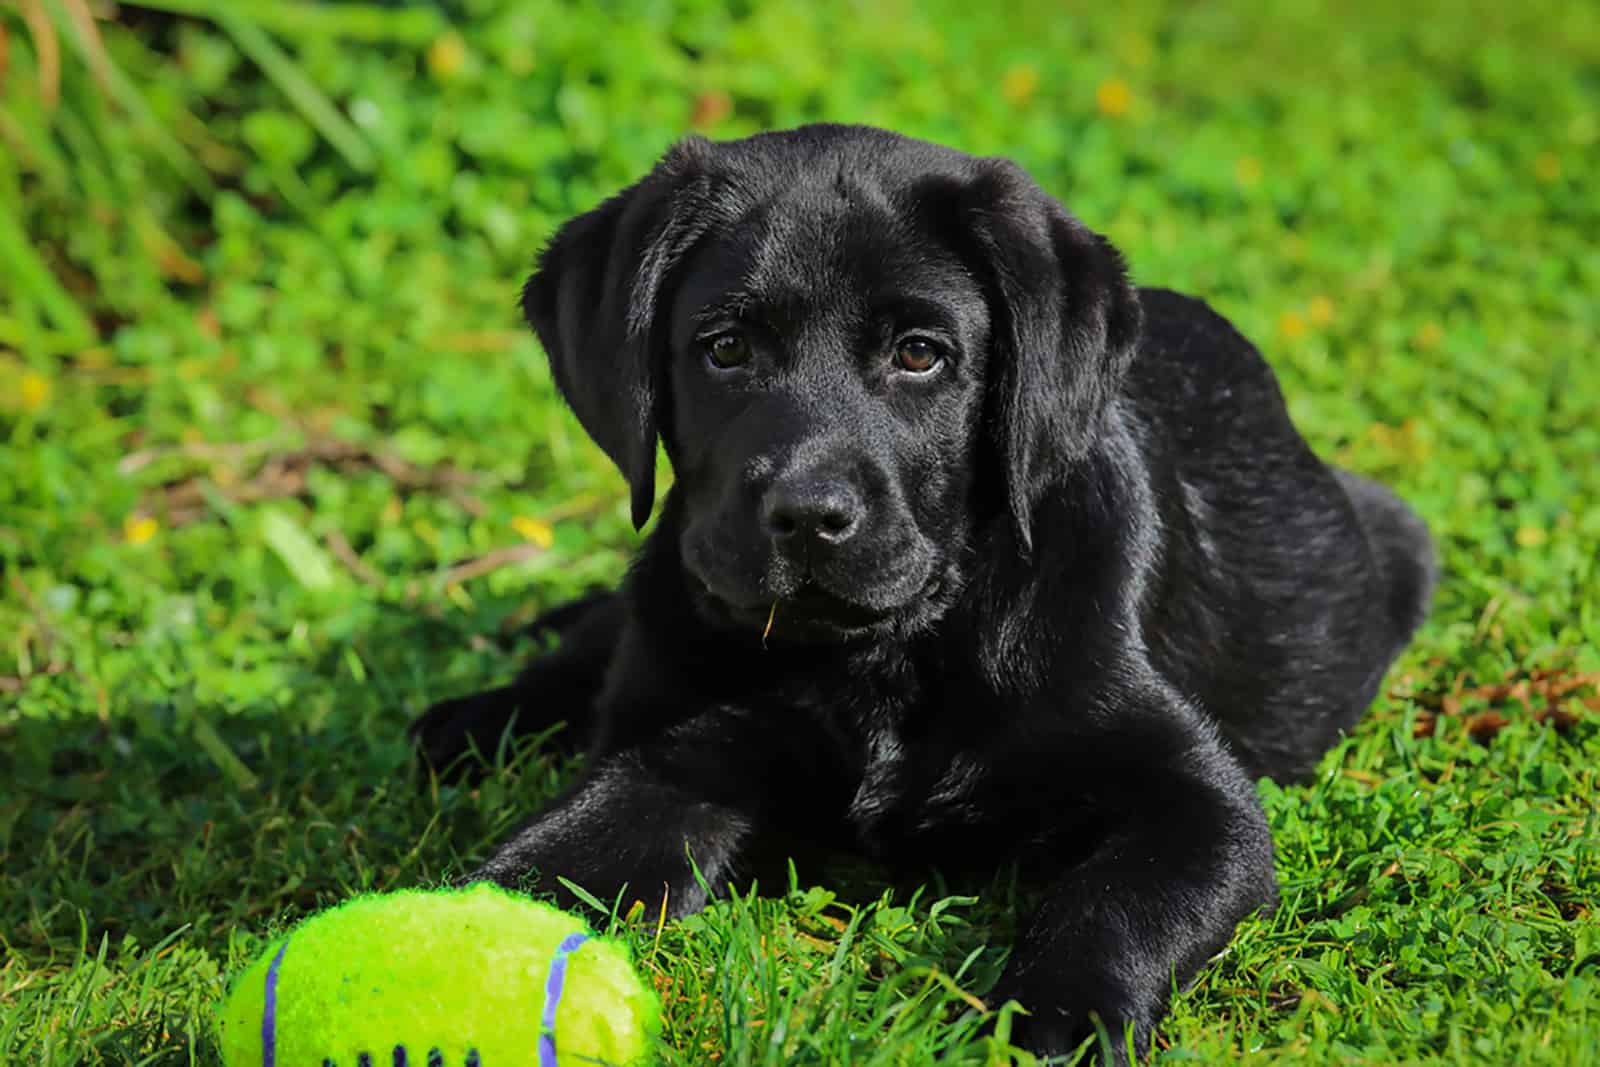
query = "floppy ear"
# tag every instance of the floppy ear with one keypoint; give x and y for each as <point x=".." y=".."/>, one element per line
<point x="1067" y="325"/>
<point x="595" y="301"/>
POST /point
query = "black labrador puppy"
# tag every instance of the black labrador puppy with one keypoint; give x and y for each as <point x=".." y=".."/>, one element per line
<point x="976" y="554"/>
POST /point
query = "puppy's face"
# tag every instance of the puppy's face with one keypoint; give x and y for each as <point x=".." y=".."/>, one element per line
<point x="857" y="347"/>
<point x="827" y="358"/>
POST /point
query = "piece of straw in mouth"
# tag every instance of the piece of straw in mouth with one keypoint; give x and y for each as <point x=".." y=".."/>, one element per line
<point x="773" y="614"/>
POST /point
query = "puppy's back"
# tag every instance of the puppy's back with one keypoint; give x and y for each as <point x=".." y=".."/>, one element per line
<point x="1286" y="587"/>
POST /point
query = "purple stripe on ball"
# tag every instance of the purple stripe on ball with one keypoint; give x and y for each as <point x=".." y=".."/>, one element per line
<point x="269" y="1013"/>
<point x="553" y="984"/>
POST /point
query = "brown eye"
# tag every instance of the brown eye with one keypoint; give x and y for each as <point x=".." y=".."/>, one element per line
<point x="917" y="355"/>
<point x="728" y="350"/>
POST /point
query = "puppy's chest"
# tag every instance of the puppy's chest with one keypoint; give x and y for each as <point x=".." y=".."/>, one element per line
<point x="917" y="785"/>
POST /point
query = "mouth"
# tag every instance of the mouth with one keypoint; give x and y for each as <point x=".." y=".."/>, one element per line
<point x="813" y="613"/>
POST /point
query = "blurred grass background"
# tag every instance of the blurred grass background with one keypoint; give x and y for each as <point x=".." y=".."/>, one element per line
<point x="279" y="466"/>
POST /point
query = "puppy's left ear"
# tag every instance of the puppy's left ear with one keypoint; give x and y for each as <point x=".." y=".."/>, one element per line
<point x="1067" y="326"/>
<point x="595" y="302"/>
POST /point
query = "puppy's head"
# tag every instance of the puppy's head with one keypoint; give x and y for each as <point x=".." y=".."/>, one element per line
<point x="857" y="348"/>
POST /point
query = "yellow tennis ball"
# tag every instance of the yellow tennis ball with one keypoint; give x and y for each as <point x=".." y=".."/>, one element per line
<point x="474" y="977"/>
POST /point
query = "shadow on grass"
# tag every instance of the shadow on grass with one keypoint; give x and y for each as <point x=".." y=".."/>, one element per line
<point x="147" y="818"/>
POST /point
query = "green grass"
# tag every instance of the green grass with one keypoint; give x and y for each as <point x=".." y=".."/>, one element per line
<point x="278" y="467"/>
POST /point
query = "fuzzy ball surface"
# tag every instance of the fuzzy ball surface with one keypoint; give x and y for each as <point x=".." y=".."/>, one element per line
<point x="474" y="977"/>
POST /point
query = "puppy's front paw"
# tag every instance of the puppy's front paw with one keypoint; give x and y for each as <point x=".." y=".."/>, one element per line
<point x="452" y="729"/>
<point x="1056" y="1034"/>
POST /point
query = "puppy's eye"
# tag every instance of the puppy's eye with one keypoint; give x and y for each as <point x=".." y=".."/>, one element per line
<point x="727" y="350"/>
<point x="917" y="355"/>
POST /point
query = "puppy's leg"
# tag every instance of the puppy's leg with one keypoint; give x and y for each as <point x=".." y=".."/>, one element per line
<point x="1185" y="855"/>
<point x="556" y="688"/>
<point x="644" y="819"/>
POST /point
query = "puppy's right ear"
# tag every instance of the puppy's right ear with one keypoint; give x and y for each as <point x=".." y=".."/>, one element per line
<point x="596" y="299"/>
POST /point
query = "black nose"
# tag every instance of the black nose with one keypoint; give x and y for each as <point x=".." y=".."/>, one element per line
<point x="829" y="512"/>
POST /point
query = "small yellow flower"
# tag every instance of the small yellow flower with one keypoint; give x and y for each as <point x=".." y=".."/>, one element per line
<point x="35" y="390"/>
<point x="1247" y="170"/>
<point x="392" y="511"/>
<point x="1320" y="311"/>
<point x="1546" y="166"/>
<point x="1428" y="336"/>
<point x="447" y="56"/>
<point x="1292" y="324"/>
<point x="1529" y="536"/>
<point x="1406" y="443"/>
<point x="1113" y="97"/>
<point x="138" y="529"/>
<point x="538" y="531"/>
<point x="1020" y="83"/>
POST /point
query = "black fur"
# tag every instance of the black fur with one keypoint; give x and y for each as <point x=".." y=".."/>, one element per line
<point x="1056" y="601"/>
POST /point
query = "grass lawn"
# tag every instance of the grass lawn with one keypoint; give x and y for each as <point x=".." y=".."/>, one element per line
<point x="279" y="467"/>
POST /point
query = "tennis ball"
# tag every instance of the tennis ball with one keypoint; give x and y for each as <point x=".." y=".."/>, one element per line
<point x="474" y="977"/>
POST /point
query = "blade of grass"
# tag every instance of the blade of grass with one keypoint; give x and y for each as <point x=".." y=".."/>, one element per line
<point x="302" y="555"/>
<point x="94" y="48"/>
<point x="48" y="51"/>
<point x="227" y="761"/>
<point x="301" y="91"/>
<point x="86" y="994"/>
<point x="586" y="897"/>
